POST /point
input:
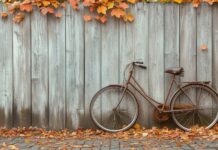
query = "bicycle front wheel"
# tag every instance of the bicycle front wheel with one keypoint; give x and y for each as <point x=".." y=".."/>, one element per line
<point x="195" y="105"/>
<point x="114" y="108"/>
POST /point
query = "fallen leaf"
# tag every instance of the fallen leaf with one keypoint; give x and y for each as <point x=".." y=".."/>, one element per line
<point x="128" y="17"/>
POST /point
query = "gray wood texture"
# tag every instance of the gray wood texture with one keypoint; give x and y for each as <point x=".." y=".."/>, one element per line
<point x="22" y="72"/>
<point x="6" y="72"/>
<point x="40" y="68"/>
<point x="51" y="68"/>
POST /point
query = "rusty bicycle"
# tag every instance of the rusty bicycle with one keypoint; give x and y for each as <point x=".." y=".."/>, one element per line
<point x="115" y="107"/>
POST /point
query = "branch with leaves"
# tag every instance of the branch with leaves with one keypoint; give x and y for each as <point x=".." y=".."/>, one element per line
<point x="98" y="10"/>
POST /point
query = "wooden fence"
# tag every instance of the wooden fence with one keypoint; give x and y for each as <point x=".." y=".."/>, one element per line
<point x="50" y="68"/>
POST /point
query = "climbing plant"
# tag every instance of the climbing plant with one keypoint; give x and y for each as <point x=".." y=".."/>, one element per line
<point x="98" y="10"/>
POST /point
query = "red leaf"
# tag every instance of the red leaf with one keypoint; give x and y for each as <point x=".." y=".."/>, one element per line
<point x="45" y="10"/>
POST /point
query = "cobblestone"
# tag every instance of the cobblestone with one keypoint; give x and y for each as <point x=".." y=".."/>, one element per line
<point x="108" y="144"/>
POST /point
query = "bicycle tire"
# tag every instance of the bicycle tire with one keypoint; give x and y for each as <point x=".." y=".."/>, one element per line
<point x="189" y="97"/>
<point x="104" y="114"/>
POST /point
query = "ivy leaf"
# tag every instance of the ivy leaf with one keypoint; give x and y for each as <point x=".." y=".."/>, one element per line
<point x="74" y="4"/>
<point x="87" y="18"/>
<point x="102" y="10"/>
<point x="26" y="7"/>
<point x="4" y="15"/>
<point x="117" y="12"/>
<point x="128" y="17"/>
<point x="18" y="18"/>
<point x="45" y="10"/>
<point x="110" y="5"/>
<point x="45" y="3"/>
<point x="132" y="1"/>
<point x="58" y="14"/>
<point x="124" y="5"/>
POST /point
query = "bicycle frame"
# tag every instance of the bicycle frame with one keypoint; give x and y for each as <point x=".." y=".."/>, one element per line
<point x="152" y="101"/>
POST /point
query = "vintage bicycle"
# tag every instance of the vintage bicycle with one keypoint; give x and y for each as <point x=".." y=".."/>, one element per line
<point x="115" y="107"/>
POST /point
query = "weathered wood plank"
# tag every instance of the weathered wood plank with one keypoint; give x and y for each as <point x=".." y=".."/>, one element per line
<point x="22" y="72"/>
<point x="92" y="66"/>
<point x="56" y="33"/>
<point x="171" y="40"/>
<point x="204" y="37"/>
<point x="109" y="69"/>
<point x="140" y="42"/>
<point x="188" y="41"/>
<point x="40" y="87"/>
<point x="6" y="72"/>
<point x="156" y="53"/>
<point x="215" y="47"/>
<point x="74" y="68"/>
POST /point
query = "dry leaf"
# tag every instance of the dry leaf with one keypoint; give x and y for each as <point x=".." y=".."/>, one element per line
<point x="204" y="47"/>
<point x="4" y="15"/>
<point x="26" y="7"/>
<point x="102" y="10"/>
<point x="58" y="14"/>
<point x="18" y="18"/>
<point x="87" y="18"/>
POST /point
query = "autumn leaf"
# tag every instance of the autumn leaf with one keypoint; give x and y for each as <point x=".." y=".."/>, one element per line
<point x="102" y="10"/>
<point x="4" y="15"/>
<point x="45" y="3"/>
<point x="132" y="1"/>
<point x="55" y="4"/>
<point x="74" y="4"/>
<point x="18" y="18"/>
<point x="102" y="19"/>
<point x="26" y="7"/>
<point x="117" y="12"/>
<point x="110" y="5"/>
<point x="87" y="18"/>
<point x="178" y="1"/>
<point x="204" y="47"/>
<point x="63" y="5"/>
<point x="58" y="14"/>
<point x="45" y="10"/>
<point x="123" y="6"/>
<point x="128" y="17"/>
<point x="196" y="3"/>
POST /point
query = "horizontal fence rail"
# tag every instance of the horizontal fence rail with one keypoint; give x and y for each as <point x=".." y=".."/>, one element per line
<point x="50" y="68"/>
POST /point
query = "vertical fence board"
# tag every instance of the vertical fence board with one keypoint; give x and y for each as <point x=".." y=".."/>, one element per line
<point x="22" y="72"/>
<point x="74" y="68"/>
<point x="171" y="40"/>
<point x="39" y="42"/>
<point x="204" y="37"/>
<point x="141" y="52"/>
<point x="56" y="32"/>
<point x="215" y="48"/>
<point x="109" y="69"/>
<point x="188" y="41"/>
<point x="6" y="72"/>
<point x="92" y="66"/>
<point x="156" y="52"/>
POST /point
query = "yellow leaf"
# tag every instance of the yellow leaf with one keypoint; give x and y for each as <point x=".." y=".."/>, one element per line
<point x="45" y="3"/>
<point x="178" y="1"/>
<point x="117" y="12"/>
<point x="132" y="1"/>
<point x="102" y="10"/>
<point x="110" y="5"/>
<point x="137" y="126"/>
<point x="129" y="18"/>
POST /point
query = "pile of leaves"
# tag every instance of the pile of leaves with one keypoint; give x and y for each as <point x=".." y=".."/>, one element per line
<point x="136" y="132"/>
<point x="99" y="10"/>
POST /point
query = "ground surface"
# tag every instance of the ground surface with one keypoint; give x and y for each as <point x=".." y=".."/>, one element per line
<point x="152" y="139"/>
<point x="106" y="144"/>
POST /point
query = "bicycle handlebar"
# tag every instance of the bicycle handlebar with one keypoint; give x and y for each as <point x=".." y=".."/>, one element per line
<point x="139" y="64"/>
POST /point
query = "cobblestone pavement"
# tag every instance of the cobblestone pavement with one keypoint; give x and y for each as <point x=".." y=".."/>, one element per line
<point x="105" y="144"/>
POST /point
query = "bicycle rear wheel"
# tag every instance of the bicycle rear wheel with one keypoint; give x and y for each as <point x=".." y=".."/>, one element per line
<point x="114" y="109"/>
<point x="200" y="105"/>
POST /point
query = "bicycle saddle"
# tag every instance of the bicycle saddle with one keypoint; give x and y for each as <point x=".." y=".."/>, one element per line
<point x="175" y="71"/>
